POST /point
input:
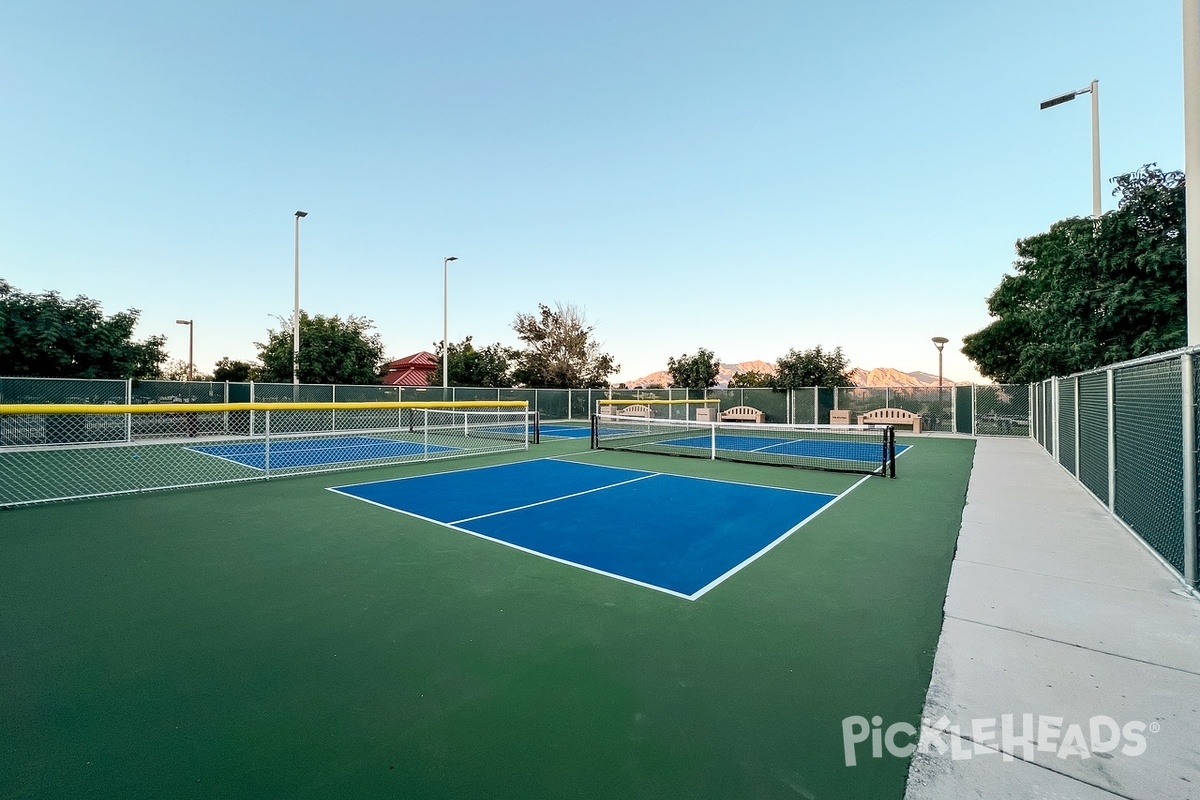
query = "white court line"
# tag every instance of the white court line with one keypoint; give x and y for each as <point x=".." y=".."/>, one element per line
<point x="555" y="499"/>
<point x="483" y="466"/>
<point x="699" y="478"/>
<point x="734" y="570"/>
<point x="514" y="546"/>
<point x="370" y="442"/>
<point x="455" y="526"/>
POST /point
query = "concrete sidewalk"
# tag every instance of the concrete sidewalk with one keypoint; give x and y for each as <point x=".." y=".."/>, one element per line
<point x="1055" y="610"/>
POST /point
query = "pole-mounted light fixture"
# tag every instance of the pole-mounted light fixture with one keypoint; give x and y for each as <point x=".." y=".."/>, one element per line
<point x="191" y="341"/>
<point x="296" y="308"/>
<point x="445" y="326"/>
<point x="939" y="342"/>
<point x="1093" y="89"/>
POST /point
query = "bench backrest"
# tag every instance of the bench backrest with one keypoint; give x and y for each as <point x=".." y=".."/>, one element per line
<point x="636" y="410"/>
<point x="889" y="413"/>
<point x="744" y="413"/>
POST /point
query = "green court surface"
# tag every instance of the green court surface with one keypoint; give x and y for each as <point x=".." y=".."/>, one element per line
<point x="274" y="639"/>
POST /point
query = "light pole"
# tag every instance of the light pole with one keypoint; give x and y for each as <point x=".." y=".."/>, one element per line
<point x="939" y="342"/>
<point x="445" y="327"/>
<point x="1093" y="89"/>
<point x="191" y="341"/>
<point x="1191" y="139"/>
<point x="296" y="308"/>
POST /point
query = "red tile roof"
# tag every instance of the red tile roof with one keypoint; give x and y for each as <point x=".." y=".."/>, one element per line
<point x="411" y="370"/>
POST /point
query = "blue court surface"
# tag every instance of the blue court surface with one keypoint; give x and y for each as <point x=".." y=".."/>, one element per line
<point x="677" y="534"/>
<point x="316" y="452"/>
<point x="566" y="431"/>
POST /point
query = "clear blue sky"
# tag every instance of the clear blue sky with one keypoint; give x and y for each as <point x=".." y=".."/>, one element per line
<point x="746" y="177"/>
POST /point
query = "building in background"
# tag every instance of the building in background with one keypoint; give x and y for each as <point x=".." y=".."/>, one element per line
<point x="411" y="370"/>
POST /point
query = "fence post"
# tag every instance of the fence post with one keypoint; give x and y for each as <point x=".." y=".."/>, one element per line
<point x="129" y="417"/>
<point x="1112" y="442"/>
<point x="1075" y="389"/>
<point x="974" y="409"/>
<point x="1032" y="417"/>
<point x="1189" y="469"/>
<point x="1054" y="416"/>
<point x="266" y="443"/>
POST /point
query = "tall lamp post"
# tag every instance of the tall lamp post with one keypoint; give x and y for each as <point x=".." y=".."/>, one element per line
<point x="1191" y="139"/>
<point x="1093" y="89"/>
<point x="191" y="341"/>
<point x="939" y="342"/>
<point x="296" y="308"/>
<point x="445" y="327"/>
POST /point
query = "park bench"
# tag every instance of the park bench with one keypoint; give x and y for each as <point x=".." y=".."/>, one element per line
<point x="891" y="416"/>
<point x="743" y="414"/>
<point x="634" y="410"/>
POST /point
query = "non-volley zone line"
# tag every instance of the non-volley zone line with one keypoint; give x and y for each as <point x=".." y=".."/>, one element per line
<point x="676" y="534"/>
<point x="286" y="453"/>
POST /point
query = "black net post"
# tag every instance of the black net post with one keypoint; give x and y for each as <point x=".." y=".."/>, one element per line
<point x="891" y="450"/>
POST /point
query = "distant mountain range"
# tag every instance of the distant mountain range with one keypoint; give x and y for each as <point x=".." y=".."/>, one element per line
<point x="880" y="376"/>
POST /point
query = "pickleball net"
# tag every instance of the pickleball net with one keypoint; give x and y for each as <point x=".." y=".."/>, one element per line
<point x="869" y="450"/>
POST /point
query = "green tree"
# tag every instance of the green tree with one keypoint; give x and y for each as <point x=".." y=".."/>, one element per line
<point x="177" y="370"/>
<point x="228" y="369"/>
<point x="47" y="336"/>
<point x="812" y="367"/>
<point x="332" y="350"/>
<point x="559" y="351"/>
<point x="750" y="380"/>
<point x="1087" y="294"/>
<point x="694" y="372"/>
<point x="491" y="366"/>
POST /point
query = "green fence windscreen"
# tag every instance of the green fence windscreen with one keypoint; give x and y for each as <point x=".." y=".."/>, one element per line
<point x="1149" y="467"/>
<point x="1093" y="433"/>
<point x="1066" y="423"/>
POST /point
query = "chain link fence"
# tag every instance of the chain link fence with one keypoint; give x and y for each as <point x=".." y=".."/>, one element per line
<point x="1128" y="434"/>
<point x="1001" y="410"/>
<point x="63" y="390"/>
<point x="974" y="410"/>
<point x="1148" y="448"/>
<point x="86" y="451"/>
